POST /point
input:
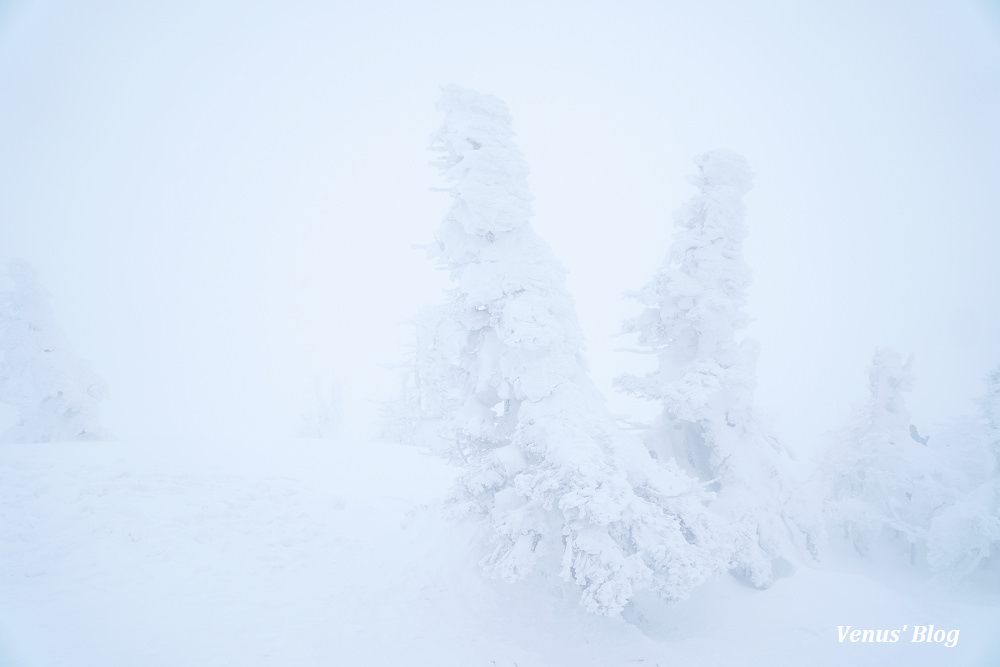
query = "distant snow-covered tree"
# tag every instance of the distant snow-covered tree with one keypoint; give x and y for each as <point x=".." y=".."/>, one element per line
<point x="54" y="393"/>
<point x="503" y="379"/>
<point x="431" y="387"/>
<point x="323" y="418"/>
<point x="964" y="538"/>
<point x="886" y="485"/>
<point x="990" y="409"/>
<point x="705" y="375"/>
<point x="399" y="415"/>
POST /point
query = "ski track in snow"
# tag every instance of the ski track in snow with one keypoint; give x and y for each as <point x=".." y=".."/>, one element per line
<point x="324" y="553"/>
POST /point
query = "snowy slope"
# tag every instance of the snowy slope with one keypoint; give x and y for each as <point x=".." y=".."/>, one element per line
<point x="318" y="553"/>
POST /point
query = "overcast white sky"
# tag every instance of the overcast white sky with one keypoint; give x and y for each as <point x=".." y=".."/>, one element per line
<point x="221" y="197"/>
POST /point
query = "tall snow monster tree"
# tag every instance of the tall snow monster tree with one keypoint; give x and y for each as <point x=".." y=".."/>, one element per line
<point x="53" y="391"/>
<point x="704" y="378"/>
<point x="558" y="487"/>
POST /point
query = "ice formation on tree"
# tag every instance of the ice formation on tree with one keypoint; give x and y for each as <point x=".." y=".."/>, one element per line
<point x="502" y="378"/>
<point x="55" y="394"/>
<point x="704" y="377"/>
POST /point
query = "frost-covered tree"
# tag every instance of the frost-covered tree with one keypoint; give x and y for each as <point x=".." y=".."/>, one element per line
<point x="54" y="393"/>
<point x="885" y="484"/>
<point x="559" y="487"/>
<point x="704" y="379"/>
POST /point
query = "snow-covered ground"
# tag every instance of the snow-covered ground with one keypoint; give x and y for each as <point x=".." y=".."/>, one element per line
<point x="307" y="552"/>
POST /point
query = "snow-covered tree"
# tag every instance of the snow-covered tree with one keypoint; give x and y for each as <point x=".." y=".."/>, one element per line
<point x="990" y="409"/>
<point x="886" y="482"/>
<point x="963" y="540"/>
<point x="704" y="378"/>
<point x="502" y="369"/>
<point x="399" y="415"/>
<point x="897" y="496"/>
<point x="431" y="387"/>
<point x="55" y="394"/>
<point x="323" y="418"/>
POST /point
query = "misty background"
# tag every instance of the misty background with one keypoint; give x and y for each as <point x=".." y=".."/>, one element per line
<point x="222" y="197"/>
